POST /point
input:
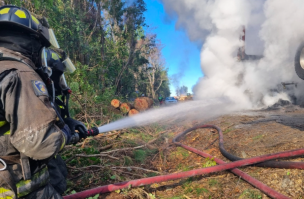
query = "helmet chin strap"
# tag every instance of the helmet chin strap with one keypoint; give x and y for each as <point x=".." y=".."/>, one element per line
<point x="35" y="53"/>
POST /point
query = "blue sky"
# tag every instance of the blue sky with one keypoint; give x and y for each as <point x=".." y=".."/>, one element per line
<point x="182" y="56"/>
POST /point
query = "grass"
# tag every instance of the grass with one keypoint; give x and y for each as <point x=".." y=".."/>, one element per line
<point x="200" y="190"/>
<point x="212" y="182"/>
<point x="180" y="152"/>
<point x="182" y="167"/>
<point x="257" y="137"/>
<point x="189" y="188"/>
<point x="249" y="193"/>
<point x="227" y="130"/>
<point x="146" y="137"/>
<point x="140" y="155"/>
<point x="128" y="160"/>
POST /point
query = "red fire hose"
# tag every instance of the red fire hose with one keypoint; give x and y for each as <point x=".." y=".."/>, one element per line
<point x="232" y="166"/>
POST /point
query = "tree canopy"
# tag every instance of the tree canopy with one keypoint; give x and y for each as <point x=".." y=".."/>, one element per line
<point x="107" y="42"/>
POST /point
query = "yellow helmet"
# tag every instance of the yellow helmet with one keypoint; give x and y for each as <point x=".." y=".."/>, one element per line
<point x="20" y="19"/>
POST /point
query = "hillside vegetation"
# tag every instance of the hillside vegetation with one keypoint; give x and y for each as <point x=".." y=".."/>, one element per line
<point x="116" y="54"/>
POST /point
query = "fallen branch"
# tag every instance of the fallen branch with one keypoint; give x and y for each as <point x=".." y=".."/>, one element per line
<point x="124" y="149"/>
<point x="96" y="155"/>
<point x="109" y="134"/>
<point x="137" y="168"/>
<point x="141" y="176"/>
<point x="103" y="167"/>
<point x="89" y="156"/>
<point x="105" y="147"/>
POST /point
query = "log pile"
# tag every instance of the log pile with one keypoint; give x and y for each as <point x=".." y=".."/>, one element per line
<point x="125" y="108"/>
<point x="143" y="103"/>
<point x="115" y="103"/>
<point x="140" y="104"/>
<point x="133" y="112"/>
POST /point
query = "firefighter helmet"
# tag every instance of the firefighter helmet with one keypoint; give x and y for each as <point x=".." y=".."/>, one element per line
<point x="20" y="19"/>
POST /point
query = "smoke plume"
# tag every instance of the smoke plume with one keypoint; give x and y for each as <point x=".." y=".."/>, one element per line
<point x="274" y="29"/>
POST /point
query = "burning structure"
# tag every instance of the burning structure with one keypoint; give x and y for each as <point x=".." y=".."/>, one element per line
<point x="241" y="55"/>
<point x="287" y="87"/>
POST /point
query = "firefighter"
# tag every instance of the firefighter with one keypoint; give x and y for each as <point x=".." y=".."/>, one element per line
<point x="32" y="130"/>
<point x="161" y="100"/>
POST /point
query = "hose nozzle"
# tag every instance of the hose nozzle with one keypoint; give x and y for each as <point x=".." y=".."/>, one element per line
<point x="93" y="131"/>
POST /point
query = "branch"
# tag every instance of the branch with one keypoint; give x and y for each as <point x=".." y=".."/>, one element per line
<point x="96" y="155"/>
<point x="88" y="156"/>
<point x="103" y="167"/>
<point x="137" y="168"/>
<point x="125" y="149"/>
<point x="95" y="25"/>
<point x="161" y="81"/>
<point x="122" y="70"/>
<point x="141" y="176"/>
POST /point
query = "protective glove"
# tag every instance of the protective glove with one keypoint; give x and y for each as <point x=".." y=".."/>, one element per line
<point x="67" y="133"/>
<point x="76" y="125"/>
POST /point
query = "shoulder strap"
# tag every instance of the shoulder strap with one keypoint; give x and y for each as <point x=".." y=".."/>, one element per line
<point x="12" y="59"/>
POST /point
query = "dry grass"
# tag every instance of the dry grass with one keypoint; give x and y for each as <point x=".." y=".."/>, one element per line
<point x="244" y="136"/>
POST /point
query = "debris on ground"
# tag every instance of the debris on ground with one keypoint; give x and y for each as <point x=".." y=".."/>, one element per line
<point x="148" y="151"/>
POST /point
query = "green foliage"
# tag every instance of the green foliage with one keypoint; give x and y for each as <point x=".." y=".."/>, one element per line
<point x="128" y="160"/>
<point x="257" y="137"/>
<point x="111" y="52"/>
<point x="200" y="190"/>
<point x="94" y="197"/>
<point x="249" y="193"/>
<point x="90" y="150"/>
<point x="140" y="155"/>
<point x="227" y="130"/>
<point x="209" y="162"/>
<point x="152" y="196"/>
<point x="212" y="182"/>
<point x="152" y="174"/>
<point x="180" y="152"/>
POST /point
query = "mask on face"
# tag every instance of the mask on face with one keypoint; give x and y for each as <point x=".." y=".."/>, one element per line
<point x="54" y="65"/>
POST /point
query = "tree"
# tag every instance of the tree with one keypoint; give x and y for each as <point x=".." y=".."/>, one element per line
<point x="106" y="41"/>
<point x="183" y="90"/>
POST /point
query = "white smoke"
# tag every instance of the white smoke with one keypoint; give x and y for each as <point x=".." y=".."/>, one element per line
<point x="274" y="29"/>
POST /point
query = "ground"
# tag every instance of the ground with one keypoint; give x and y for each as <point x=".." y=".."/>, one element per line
<point x="148" y="151"/>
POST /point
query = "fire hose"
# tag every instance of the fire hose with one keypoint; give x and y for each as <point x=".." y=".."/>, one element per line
<point x="232" y="167"/>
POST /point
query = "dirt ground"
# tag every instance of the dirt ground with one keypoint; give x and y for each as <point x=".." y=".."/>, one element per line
<point x="246" y="135"/>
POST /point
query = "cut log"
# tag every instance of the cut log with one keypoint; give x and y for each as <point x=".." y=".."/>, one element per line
<point x="150" y="101"/>
<point x="133" y="112"/>
<point x="143" y="103"/>
<point x="125" y="107"/>
<point x="115" y="103"/>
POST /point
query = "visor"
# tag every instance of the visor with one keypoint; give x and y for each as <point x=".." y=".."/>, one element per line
<point x="43" y="57"/>
<point x="52" y="39"/>
<point x="62" y="83"/>
<point x="69" y="66"/>
<point x="44" y="64"/>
